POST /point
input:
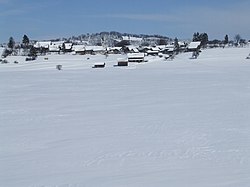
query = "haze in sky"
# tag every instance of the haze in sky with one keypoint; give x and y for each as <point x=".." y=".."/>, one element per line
<point x="62" y="18"/>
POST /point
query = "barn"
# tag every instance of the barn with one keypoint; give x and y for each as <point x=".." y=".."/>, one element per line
<point x="136" y="57"/>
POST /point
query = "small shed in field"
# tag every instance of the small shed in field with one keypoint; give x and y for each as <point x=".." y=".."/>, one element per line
<point x="99" y="65"/>
<point x="122" y="62"/>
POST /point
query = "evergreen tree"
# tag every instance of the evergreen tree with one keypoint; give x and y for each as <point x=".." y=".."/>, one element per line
<point x="11" y="43"/>
<point x="26" y="40"/>
<point x="63" y="48"/>
<point x="162" y="42"/>
<point x="226" y="40"/>
<point x="195" y="37"/>
<point x="33" y="51"/>
<point x="203" y="38"/>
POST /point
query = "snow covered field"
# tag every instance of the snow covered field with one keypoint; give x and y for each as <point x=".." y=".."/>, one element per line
<point x="156" y="124"/>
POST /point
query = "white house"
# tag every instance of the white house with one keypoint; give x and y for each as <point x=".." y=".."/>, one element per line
<point x="136" y="57"/>
<point x="68" y="47"/>
<point x="54" y="48"/>
<point x="78" y="49"/>
<point x="154" y="51"/>
<point x="43" y="44"/>
<point x="114" y="50"/>
<point x="194" y="46"/>
<point x="132" y="49"/>
<point x="132" y="39"/>
<point x="94" y="50"/>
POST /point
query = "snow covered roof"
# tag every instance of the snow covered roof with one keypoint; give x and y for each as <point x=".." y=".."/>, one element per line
<point x="132" y="48"/>
<point x="44" y="44"/>
<point x="155" y="48"/>
<point x="54" y="48"/>
<point x="114" y="48"/>
<point x="194" y="45"/>
<point x="135" y="55"/>
<point x="58" y="43"/>
<point x="94" y="48"/>
<point x="161" y="47"/>
<point x="78" y="48"/>
<point x="181" y="43"/>
<point x="170" y="46"/>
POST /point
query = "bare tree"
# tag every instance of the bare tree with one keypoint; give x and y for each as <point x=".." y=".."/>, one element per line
<point x="237" y="39"/>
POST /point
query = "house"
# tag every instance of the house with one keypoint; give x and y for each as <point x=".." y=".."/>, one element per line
<point x="122" y="62"/>
<point x="42" y="44"/>
<point x="168" y="49"/>
<point x="99" y="65"/>
<point x="114" y="50"/>
<point x="194" y="46"/>
<point x="132" y="40"/>
<point x="67" y="47"/>
<point x="136" y="57"/>
<point x="131" y="49"/>
<point x="154" y="51"/>
<point x="54" y="48"/>
<point x="78" y="49"/>
<point x="95" y="50"/>
<point x="182" y="45"/>
<point x="161" y="47"/>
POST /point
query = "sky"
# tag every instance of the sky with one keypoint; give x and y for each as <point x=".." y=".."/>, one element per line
<point x="49" y="19"/>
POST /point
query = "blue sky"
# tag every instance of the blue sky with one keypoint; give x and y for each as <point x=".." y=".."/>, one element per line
<point x="48" y="19"/>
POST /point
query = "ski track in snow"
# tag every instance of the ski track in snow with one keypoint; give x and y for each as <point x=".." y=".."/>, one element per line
<point x="161" y="123"/>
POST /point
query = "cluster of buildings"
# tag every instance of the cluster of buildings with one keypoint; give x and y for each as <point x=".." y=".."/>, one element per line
<point x="82" y="49"/>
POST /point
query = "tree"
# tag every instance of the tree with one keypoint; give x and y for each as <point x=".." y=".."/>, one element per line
<point x="237" y="38"/>
<point x="226" y="40"/>
<point x="33" y="51"/>
<point x="203" y="38"/>
<point x="162" y="42"/>
<point x="6" y="52"/>
<point x="26" y="40"/>
<point x="11" y="43"/>
<point x="196" y="37"/>
<point x="242" y="42"/>
<point x="176" y="45"/>
<point x="122" y="43"/>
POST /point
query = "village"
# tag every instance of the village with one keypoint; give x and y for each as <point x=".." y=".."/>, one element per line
<point x="132" y="48"/>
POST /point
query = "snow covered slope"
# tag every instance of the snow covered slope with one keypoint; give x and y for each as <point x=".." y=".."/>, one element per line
<point x="162" y="123"/>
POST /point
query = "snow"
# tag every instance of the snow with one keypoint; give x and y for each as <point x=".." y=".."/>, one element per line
<point x="162" y="123"/>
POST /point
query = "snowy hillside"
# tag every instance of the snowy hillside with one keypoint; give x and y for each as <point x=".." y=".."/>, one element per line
<point x="161" y="123"/>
